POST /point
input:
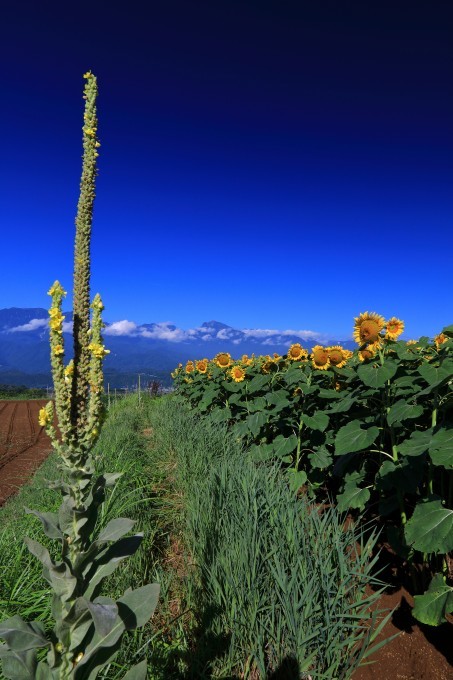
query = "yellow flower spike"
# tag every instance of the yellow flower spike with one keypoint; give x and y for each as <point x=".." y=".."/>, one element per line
<point x="237" y="373"/>
<point x="394" y="328"/>
<point x="367" y="328"/>
<point x="88" y="74"/>
<point x="320" y="357"/>
<point x="43" y="417"/>
<point x="58" y="350"/>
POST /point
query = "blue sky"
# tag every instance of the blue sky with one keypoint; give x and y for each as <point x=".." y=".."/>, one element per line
<point x="264" y="164"/>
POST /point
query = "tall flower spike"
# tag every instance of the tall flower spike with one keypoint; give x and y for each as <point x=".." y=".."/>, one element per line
<point x="81" y="304"/>
<point x="98" y="353"/>
<point x="62" y="393"/>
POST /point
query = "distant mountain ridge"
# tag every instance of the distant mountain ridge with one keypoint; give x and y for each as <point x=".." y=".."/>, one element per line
<point x="153" y="349"/>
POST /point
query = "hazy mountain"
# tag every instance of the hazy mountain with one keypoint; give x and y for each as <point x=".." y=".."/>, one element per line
<point x="153" y="349"/>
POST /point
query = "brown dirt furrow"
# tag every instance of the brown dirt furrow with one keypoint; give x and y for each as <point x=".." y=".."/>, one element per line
<point x="23" y="445"/>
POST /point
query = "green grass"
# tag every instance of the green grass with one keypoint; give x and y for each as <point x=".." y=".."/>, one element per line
<point x="253" y="582"/>
<point x="278" y="587"/>
<point x="122" y="447"/>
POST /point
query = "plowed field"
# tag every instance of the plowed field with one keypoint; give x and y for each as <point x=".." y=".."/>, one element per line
<point x="23" y="444"/>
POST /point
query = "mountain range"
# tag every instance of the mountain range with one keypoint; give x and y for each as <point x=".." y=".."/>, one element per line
<point x="152" y="349"/>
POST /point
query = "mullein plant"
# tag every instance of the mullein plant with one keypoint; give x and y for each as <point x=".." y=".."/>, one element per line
<point x="88" y="626"/>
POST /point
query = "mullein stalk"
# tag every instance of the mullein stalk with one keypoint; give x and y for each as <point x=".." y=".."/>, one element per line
<point x="87" y="629"/>
<point x="84" y="217"/>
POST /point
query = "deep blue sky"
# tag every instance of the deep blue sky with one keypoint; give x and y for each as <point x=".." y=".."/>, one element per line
<point x="266" y="164"/>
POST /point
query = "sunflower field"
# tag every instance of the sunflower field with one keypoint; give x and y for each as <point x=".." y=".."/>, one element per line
<point x="372" y="429"/>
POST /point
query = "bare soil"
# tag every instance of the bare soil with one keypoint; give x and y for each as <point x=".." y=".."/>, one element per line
<point x="419" y="652"/>
<point x="24" y="444"/>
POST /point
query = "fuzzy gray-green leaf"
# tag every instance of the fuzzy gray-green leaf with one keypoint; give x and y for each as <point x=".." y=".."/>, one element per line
<point x="137" y="672"/>
<point x="49" y="522"/>
<point x="115" y="529"/>
<point x="20" y="635"/>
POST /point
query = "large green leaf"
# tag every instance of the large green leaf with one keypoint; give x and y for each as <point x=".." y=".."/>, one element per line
<point x="258" y="383"/>
<point x="448" y="331"/>
<point x="296" y="479"/>
<point x="283" y="446"/>
<point x="352" y="437"/>
<point x="430" y="528"/>
<point x="375" y="375"/>
<point x="137" y="672"/>
<point x="404" y="475"/>
<point x="20" y="636"/>
<point x="256" y="421"/>
<point x="115" y="529"/>
<point x="352" y="497"/>
<point x="432" y="606"/>
<point x="135" y="608"/>
<point x="18" y="665"/>
<point x="49" y="522"/>
<point x="320" y="458"/>
<point x="416" y="444"/>
<point x="434" y="375"/>
<point x="441" y="448"/>
<point x="318" y="421"/>
<point x="402" y="411"/>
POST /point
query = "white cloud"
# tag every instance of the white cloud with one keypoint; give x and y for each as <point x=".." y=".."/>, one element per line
<point x="121" y="328"/>
<point x="224" y="334"/>
<point x="32" y="325"/>
<point x="268" y="332"/>
<point x="162" y="331"/>
<point x="67" y="326"/>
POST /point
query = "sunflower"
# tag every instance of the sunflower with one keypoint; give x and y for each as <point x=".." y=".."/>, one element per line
<point x="237" y="373"/>
<point x="320" y="357"/>
<point x="367" y="327"/>
<point x="337" y="356"/>
<point x="440" y="339"/>
<point x="297" y="392"/>
<point x="296" y="352"/>
<point x="266" y="366"/>
<point x="411" y="342"/>
<point x="394" y="328"/>
<point x="365" y="354"/>
<point x="190" y="367"/>
<point x="223" y="359"/>
<point x="202" y="365"/>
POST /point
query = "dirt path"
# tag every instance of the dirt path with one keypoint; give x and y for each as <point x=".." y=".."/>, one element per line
<point x="23" y="444"/>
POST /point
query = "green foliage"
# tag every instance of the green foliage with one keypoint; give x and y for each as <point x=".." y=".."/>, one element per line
<point x="278" y="578"/>
<point x="376" y="433"/>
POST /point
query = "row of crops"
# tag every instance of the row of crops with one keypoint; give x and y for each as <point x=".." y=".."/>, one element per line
<point x="371" y="429"/>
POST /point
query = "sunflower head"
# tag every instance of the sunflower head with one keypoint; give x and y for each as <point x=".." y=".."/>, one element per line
<point x="440" y="339"/>
<point x="297" y="353"/>
<point x="237" y="373"/>
<point x="337" y="356"/>
<point x="189" y="367"/>
<point x="394" y="328"/>
<point x="202" y="365"/>
<point x="320" y="357"/>
<point x="266" y="367"/>
<point x="367" y="327"/>
<point x="366" y="354"/>
<point x="223" y="359"/>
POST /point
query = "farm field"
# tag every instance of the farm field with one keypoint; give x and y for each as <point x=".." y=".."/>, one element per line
<point x="23" y="443"/>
